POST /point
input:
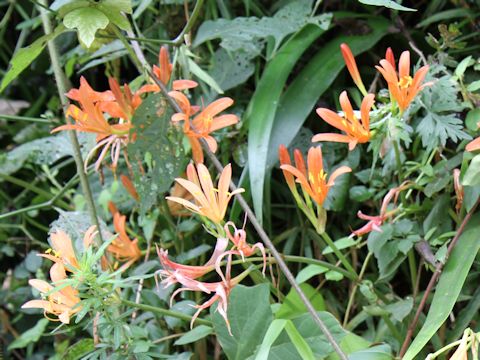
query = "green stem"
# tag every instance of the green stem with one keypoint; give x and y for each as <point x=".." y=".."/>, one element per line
<point x="412" y="264"/>
<point x="165" y="312"/>
<point x="398" y="160"/>
<point x="24" y="118"/>
<point x="61" y="82"/>
<point x="339" y="254"/>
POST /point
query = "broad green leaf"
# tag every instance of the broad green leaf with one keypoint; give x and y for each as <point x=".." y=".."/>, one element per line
<point x="340" y="244"/>
<point x="25" y="56"/>
<point x="379" y="352"/>
<point x="472" y="119"/>
<point x="463" y="65"/>
<point x="157" y="153"/>
<point x="231" y="69"/>
<point x="292" y="306"/>
<point x="197" y="333"/>
<point x="30" y="336"/>
<point x="283" y="348"/>
<point x="249" y="315"/>
<point x="274" y="330"/>
<point x="87" y="21"/>
<point x="79" y="349"/>
<point x="299" y="342"/>
<point x="350" y="344"/>
<point x="261" y="110"/>
<point x="387" y="3"/>
<point x="449" y="286"/>
<point x="203" y="75"/>
<point x="471" y="177"/>
<point x="465" y="316"/>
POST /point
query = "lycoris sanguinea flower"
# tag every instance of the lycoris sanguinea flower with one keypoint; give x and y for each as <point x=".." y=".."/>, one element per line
<point x="62" y="303"/>
<point x="209" y="201"/>
<point x="204" y="123"/>
<point x="403" y="88"/>
<point x="356" y="130"/>
<point x="314" y="180"/>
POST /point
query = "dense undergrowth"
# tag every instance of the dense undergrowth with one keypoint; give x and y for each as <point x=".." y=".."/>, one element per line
<point x="136" y="135"/>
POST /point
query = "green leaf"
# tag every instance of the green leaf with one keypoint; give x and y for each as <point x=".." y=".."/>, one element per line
<point x="249" y="315"/>
<point x="463" y="65"/>
<point x="248" y="33"/>
<point x="261" y="110"/>
<point x="299" y="342"/>
<point x="157" y="155"/>
<point x="308" y="272"/>
<point x="231" y="69"/>
<point x="387" y="3"/>
<point x="292" y="306"/>
<point x="274" y="330"/>
<point x="25" y="56"/>
<point x="449" y="285"/>
<point x="79" y="349"/>
<point x="204" y="76"/>
<point x="349" y="344"/>
<point x="302" y="94"/>
<point x="197" y="333"/>
<point x="87" y="21"/>
<point x="445" y="15"/>
<point x="30" y="336"/>
<point x="283" y="348"/>
<point x="471" y="177"/>
<point x="379" y="352"/>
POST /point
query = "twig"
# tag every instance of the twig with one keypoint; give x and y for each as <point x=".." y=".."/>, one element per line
<point x="433" y="280"/>
<point x="251" y="216"/>
<point x="411" y="42"/>
<point x="62" y="85"/>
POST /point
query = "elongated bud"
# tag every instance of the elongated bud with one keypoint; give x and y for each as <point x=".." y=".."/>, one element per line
<point x="285" y="160"/>
<point x="127" y="183"/>
<point x="389" y="57"/>
<point x="352" y="67"/>
<point x="458" y="189"/>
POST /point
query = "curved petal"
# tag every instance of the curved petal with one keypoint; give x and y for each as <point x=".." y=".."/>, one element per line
<point x="365" y="108"/>
<point x="187" y="204"/>
<point x="473" y="145"/>
<point x="332" y="118"/>
<point x="404" y="64"/>
<point x="223" y="121"/>
<point x="390" y="57"/>
<point x="332" y="137"/>
<point x="346" y="106"/>
<point x="341" y="170"/>
<point x="37" y="304"/>
<point x="40" y="285"/>
<point x="184" y="84"/>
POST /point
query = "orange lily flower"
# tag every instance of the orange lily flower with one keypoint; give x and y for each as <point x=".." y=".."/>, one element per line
<point x="403" y="88"/>
<point x="62" y="303"/>
<point x="352" y="67"/>
<point x="209" y="201"/>
<point x="357" y="131"/>
<point x="62" y="251"/>
<point x="164" y="72"/>
<point x="122" y="248"/>
<point x="314" y="181"/>
<point x="203" y="123"/>
<point x="374" y="222"/>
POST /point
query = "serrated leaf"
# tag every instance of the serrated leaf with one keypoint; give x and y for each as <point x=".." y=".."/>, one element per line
<point x="87" y="21"/>
<point x="25" y="56"/>
<point x="388" y="4"/>
<point x="30" y="336"/>
<point x="157" y="155"/>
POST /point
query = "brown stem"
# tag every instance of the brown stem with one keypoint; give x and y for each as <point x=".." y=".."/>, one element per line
<point x="433" y="280"/>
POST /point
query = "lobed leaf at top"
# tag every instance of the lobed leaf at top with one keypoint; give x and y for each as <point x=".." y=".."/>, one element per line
<point x="157" y="154"/>
<point x="247" y="33"/>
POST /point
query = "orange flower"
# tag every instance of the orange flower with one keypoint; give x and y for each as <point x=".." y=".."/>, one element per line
<point x="357" y="131"/>
<point x="314" y="181"/>
<point x="128" y="185"/>
<point x="352" y="67"/>
<point x="209" y="201"/>
<point x="62" y="248"/>
<point x="122" y="248"/>
<point x="403" y="88"/>
<point x="62" y="303"/>
<point x="164" y="72"/>
<point x="202" y="124"/>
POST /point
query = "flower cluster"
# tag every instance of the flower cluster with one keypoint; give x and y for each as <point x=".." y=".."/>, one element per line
<point x="211" y="203"/>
